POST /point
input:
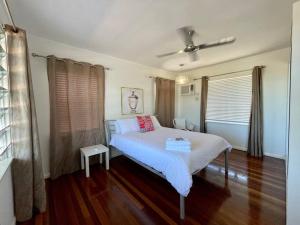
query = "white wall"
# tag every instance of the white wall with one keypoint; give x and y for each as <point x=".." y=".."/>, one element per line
<point x="122" y="74"/>
<point x="275" y="83"/>
<point x="7" y="216"/>
<point x="293" y="179"/>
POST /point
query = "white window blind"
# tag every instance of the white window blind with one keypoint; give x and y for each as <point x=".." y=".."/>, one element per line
<point x="229" y="99"/>
<point x="5" y="141"/>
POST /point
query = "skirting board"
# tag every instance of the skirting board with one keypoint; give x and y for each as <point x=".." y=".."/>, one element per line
<point x="275" y="155"/>
<point x="239" y="148"/>
<point x="14" y="221"/>
<point x="115" y="153"/>
<point x="46" y="175"/>
<point x="278" y="156"/>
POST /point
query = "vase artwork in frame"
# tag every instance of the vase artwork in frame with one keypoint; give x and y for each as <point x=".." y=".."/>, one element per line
<point x="132" y="100"/>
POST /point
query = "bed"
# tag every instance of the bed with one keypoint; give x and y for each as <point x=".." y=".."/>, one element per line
<point x="148" y="150"/>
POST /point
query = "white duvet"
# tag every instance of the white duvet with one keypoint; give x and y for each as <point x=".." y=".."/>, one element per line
<point x="177" y="167"/>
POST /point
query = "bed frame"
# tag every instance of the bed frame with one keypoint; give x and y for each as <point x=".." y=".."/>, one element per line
<point x="111" y="129"/>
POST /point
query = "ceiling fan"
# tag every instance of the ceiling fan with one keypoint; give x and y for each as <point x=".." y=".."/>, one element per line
<point x="186" y="34"/>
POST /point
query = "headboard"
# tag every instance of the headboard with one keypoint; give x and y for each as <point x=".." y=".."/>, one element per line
<point x="110" y="128"/>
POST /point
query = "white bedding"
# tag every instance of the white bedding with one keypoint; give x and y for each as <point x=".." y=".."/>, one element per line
<point x="149" y="148"/>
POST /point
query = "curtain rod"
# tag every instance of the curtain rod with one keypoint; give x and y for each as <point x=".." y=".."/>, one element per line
<point x="46" y="57"/>
<point x="9" y="15"/>
<point x="221" y="74"/>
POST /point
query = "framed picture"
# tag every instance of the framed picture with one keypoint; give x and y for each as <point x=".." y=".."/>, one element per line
<point x="132" y="101"/>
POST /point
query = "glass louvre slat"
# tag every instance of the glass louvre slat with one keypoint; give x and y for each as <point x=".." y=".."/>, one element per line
<point x="229" y="100"/>
<point x="5" y="140"/>
<point x="2" y="52"/>
<point x="6" y="153"/>
<point x="3" y="72"/>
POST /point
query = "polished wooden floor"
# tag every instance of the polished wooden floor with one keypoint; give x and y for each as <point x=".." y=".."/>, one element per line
<point x="253" y="193"/>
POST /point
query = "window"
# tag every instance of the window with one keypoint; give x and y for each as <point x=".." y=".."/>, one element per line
<point x="5" y="143"/>
<point x="229" y="99"/>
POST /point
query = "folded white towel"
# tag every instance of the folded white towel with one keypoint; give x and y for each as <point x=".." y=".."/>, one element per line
<point x="178" y="141"/>
<point x="181" y="149"/>
<point x="178" y="144"/>
<point x="178" y="148"/>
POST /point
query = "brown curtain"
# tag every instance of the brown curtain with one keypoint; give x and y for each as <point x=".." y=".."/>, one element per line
<point x="203" y="106"/>
<point x="255" y="141"/>
<point x="165" y="101"/>
<point x="76" y="111"/>
<point x="28" y="180"/>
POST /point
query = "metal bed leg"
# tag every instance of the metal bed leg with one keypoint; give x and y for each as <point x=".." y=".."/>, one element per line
<point x="182" y="207"/>
<point x="226" y="161"/>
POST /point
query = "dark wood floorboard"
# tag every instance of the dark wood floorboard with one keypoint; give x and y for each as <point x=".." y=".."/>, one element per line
<point x="253" y="193"/>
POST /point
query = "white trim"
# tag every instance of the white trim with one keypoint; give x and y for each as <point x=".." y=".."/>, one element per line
<point x="115" y="152"/>
<point x="47" y="175"/>
<point x="277" y="156"/>
<point x="274" y="155"/>
<point x="240" y="148"/>
<point x="14" y="221"/>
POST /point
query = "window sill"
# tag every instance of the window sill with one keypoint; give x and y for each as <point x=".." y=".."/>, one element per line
<point x="4" y="165"/>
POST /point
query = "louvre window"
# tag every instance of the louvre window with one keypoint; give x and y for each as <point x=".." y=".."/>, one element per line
<point x="229" y="99"/>
<point x="5" y="142"/>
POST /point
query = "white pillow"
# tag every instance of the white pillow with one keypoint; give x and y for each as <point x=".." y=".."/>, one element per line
<point x="155" y="122"/>
<point x="128" y="125"/>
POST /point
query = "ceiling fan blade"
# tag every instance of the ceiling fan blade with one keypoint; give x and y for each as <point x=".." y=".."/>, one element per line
<point x="193" y="56"/>
<point x="186" y="34"/>
<point x="224" y="41"/>
<point x="170" y="53"/>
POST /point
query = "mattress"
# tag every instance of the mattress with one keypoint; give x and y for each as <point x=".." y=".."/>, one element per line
<point x="177" y="167"/>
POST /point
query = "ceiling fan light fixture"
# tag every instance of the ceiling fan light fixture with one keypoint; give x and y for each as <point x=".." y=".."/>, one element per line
<point x="182" y="79"/>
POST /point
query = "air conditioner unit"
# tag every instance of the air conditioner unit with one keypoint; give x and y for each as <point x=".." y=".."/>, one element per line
<point x="188" y="89"/>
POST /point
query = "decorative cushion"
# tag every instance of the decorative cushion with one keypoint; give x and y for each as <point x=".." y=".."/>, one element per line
<point x="145" y="123"/>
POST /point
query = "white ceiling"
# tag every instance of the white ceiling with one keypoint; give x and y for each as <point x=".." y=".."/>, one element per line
<point x="137" y="30"/>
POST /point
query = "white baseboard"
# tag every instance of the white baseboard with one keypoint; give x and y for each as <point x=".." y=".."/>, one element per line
<point x="278" y="156"/>
<point x="14" y="221"/>
<point x="114" y="153"/>
<point x="46" y="175"/>
<point x="240" y="148"/>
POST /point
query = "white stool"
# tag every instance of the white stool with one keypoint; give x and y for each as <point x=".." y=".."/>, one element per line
<point x="90" y="151"/>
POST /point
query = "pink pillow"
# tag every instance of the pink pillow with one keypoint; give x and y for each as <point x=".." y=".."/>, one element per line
<point x="145" y="123"/>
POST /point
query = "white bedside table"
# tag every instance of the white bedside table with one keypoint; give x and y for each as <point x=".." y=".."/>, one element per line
<point x="86" y="152"/>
